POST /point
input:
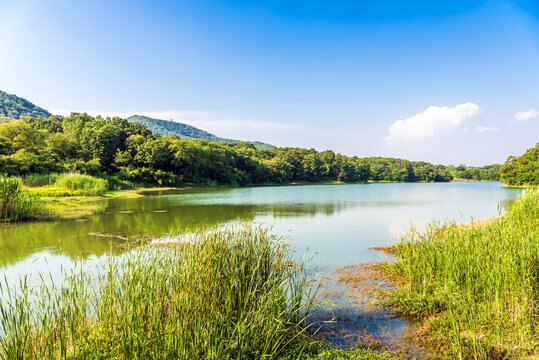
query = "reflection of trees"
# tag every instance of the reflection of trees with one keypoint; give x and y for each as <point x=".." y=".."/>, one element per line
<point x="65" y="237"/>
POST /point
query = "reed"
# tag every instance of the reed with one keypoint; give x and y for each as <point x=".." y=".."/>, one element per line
<point x="225" y="294"/>
<point x="82" y="184"/>
<point x="35" y="180"/>
<point x="16" y="204"/>
<point x="478" y="284"/>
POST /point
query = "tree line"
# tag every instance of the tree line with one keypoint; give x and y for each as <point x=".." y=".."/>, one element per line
<point x="131" y="152"/>
<point x="522" y="170"/>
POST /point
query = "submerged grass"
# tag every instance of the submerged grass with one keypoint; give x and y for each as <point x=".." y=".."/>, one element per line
<point x="228" y="294"/>
<point x="478" y="286"/>
<point x="15" y="203"/>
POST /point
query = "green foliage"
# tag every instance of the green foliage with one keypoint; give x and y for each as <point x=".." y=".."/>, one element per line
<point x="229" y="294"/>
<point x="485" y="173"/>
<point x="14" y="107"/>
<point x="184" y="131"/>
<point x="389" y="169"/>
<point x="522" y="170"/>
<point x="480" y="280"/>
<point x="318" y="352"/>
<point x="34" y="180"/>
<point x="128" y="151"/>
<point x="83" y="184"/>
<point x="16" y="204"/>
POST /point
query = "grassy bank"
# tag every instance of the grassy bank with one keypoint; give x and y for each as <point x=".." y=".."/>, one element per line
<point x="475" y="287"/>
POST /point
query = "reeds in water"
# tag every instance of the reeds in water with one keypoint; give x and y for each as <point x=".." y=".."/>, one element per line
<point x="228" y="294"/>
<point x="478" y="284"/>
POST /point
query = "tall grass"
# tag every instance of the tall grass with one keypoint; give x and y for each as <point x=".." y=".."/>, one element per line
<point x="16" y="204"/>
<point x="479" y="284"/>
<point x="34" y="180"/>
<point x="229" y="294"/>
<point x="82" y="184"/>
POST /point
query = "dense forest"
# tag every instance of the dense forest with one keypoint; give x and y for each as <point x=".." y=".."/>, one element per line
<point x="131" y="152"/>
<point x="522" y="170"/>
<point x="486" y="173"/>
<point x="171" y="128"/>
<point x="14" y="107"/>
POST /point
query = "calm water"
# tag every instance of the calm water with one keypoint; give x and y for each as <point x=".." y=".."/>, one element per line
<point x="337" y="224"/>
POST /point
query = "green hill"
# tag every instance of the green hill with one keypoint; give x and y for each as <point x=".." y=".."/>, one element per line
<point x="169" y="128"/>
<point x="14" y="107"/>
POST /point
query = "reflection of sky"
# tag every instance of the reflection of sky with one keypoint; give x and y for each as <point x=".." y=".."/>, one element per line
<point x="336" y="223"/>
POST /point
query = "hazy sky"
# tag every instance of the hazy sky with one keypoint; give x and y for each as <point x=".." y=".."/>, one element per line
<point x="441" y="81"/>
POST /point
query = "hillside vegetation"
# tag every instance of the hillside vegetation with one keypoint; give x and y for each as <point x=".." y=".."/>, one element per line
<point x="522" y="170"/>
<point x="184" y="131"/>
<point x="14" y="107"/>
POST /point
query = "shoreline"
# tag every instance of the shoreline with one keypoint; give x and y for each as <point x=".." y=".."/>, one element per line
<point x="76" y="207"/>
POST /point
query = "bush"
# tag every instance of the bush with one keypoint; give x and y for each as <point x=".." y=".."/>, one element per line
<point x="16" y="204"/>
<point x="82" y="184"/>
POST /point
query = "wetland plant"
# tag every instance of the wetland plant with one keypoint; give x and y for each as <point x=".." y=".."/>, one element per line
<point x="15" y="203"/>
<point x="478" y="285"/>
<point x="227" y="294"/>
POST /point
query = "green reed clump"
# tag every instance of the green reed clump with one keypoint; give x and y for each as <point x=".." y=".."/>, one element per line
<point x="228" y="294"/>
<point x="82" y="184"/>
<point x="34" y="180"/>
<point x="15" y="203"/>
<point x="481" y="281"/>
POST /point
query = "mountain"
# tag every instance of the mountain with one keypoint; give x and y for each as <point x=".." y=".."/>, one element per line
<point x="169" y="128"/>
<point x="14" y="107"/>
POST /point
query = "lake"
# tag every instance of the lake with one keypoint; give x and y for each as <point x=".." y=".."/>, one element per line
<point x="335" y="224"/>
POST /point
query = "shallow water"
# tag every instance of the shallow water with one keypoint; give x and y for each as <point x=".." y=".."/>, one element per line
<point x="336" y="224"/>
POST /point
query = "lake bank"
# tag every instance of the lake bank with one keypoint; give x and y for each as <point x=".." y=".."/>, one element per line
<point x="471" y="286"/>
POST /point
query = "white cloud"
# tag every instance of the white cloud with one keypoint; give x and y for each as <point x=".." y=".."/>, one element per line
<point x="526" y="115"/>
<point x="433" y="121"/>
<point x="482" y="129"/>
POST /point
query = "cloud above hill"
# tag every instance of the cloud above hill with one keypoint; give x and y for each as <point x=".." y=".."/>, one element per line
<point x="435" y="120"/>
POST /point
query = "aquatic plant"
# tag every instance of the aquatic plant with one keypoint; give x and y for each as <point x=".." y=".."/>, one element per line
<point x="225" y="294"/>
<point x="82" y="184"/>
<point x="16" y="204"/>
<point x="33" y="180"/>
<point x="478" y="283"/>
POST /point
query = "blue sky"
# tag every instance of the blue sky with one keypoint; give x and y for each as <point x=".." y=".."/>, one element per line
<point x="440" y="81"/>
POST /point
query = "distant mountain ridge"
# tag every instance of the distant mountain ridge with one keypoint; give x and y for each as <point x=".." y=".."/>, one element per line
<point x="15" y="107"/>
<point x="169" y="128"/>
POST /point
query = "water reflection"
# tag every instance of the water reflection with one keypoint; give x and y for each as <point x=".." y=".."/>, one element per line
<point x="337" y="222"/>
